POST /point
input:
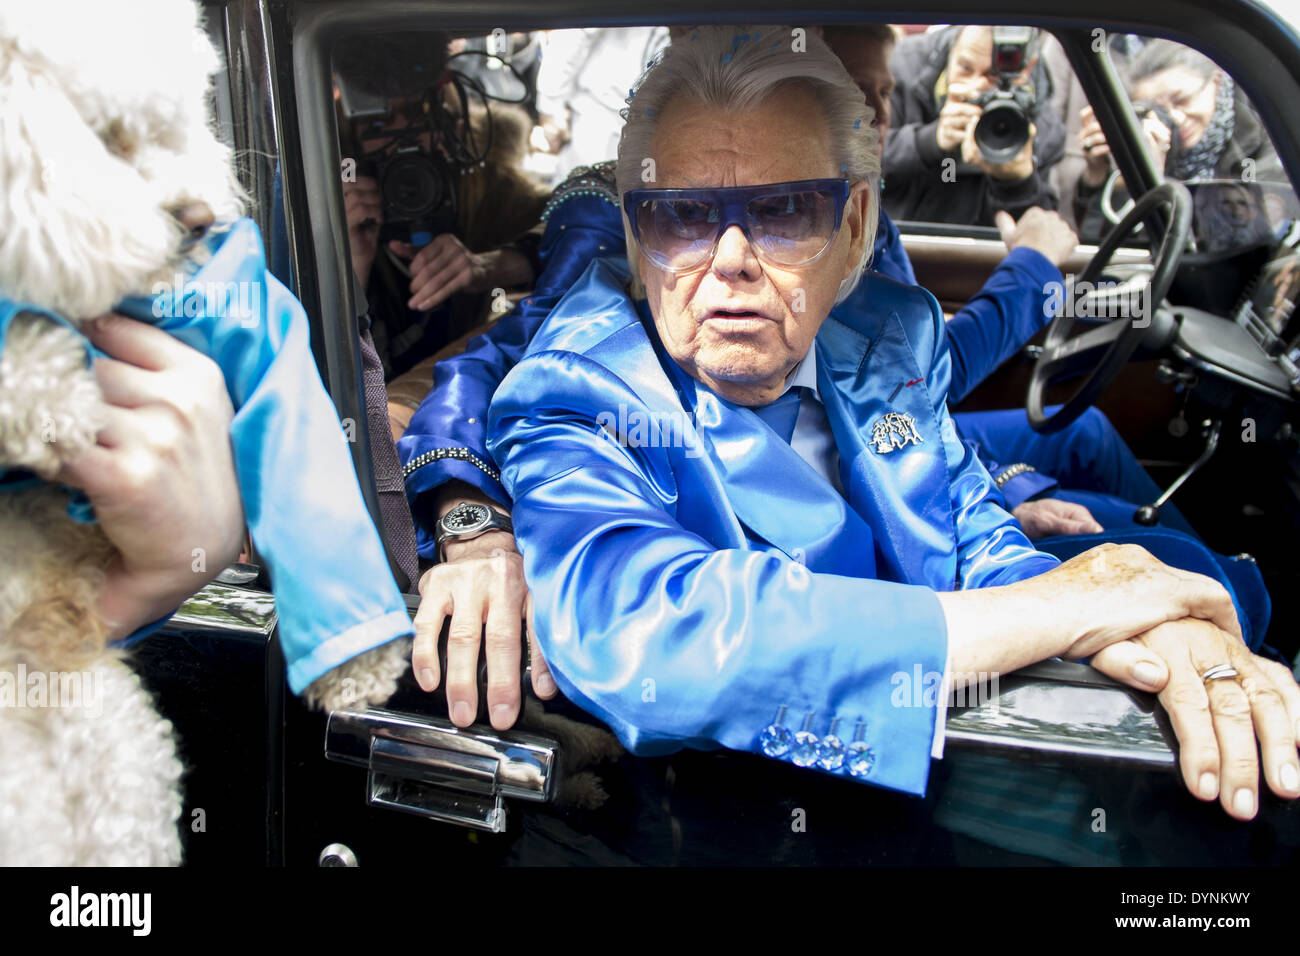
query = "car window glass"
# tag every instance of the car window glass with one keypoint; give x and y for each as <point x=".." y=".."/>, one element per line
<point x="1200" y="127"/>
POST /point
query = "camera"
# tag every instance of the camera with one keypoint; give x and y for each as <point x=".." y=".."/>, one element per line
<point x="405" y="113"/>
<point x="419" y="195"/>
<point x="1003" y="129"/>
<point x="417" y="186"/>
<point x="1143" y="109"/>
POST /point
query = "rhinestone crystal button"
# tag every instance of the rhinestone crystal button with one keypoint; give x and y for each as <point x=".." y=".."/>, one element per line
<point x="776" y="739"/>
<point x="861" y="759"/>
<point x="830" y="755"/>
<point x="804" y="751"/>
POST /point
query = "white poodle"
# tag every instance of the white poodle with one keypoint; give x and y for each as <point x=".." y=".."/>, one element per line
<point x="107" y="163"/>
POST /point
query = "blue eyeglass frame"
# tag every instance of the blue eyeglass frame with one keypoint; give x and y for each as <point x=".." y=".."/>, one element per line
<point x="734" y="203"/>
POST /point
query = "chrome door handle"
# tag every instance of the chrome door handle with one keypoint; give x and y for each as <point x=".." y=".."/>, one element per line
<point x="431" y="767"/>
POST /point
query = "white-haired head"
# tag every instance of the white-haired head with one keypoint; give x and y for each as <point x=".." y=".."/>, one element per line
<point x="733" y="68"/>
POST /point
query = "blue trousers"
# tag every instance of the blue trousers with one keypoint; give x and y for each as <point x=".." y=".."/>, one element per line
<point x="1096" y="469"/>
<point x="1092" y="463"/>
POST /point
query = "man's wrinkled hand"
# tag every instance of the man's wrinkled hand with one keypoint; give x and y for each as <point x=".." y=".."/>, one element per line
<point x="480" y="587"/>
<point x="1132" y="592"/>
<point x="1046" y="516"/>
<point x="1223" y="726"/>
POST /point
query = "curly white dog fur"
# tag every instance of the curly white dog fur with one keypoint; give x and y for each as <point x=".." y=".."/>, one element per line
<point x="104" y="138"/>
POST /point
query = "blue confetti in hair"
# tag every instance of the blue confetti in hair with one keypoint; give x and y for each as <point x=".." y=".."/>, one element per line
<point x="857" y="123"/>
<point x="726" y="58"/>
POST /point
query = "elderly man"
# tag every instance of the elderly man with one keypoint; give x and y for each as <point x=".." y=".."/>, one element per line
<point x="448" y="466"/>
<point x="812" y="525"/>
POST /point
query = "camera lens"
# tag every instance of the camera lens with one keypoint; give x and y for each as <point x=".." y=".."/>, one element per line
<point x="412" y="186"/>
<point x="1002" y="131"/>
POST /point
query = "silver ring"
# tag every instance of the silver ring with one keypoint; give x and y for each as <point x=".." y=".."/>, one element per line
<point x="1220" y="672"/>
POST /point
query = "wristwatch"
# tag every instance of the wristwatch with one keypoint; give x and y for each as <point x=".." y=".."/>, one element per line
<point x="469" y="520"/>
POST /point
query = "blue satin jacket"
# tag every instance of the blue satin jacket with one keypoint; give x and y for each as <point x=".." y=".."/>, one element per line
<point x="990" y="328"/>
<point x="686" y="585"/>
<point x="335" y="595"/>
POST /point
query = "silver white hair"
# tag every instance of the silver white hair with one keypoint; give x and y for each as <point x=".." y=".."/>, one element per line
<point x="733" y="68"/>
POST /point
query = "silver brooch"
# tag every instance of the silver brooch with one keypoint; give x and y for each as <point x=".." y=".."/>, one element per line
<point x="894" y="430"/>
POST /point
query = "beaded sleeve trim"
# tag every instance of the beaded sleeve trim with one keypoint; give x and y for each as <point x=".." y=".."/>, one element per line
<point x="461" y="454"/>
<point x="596" y="180"/>
<point x="1011" y="472"/>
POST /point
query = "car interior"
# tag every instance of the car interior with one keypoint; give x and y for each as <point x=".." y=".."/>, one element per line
<point x="1205" y="394"/>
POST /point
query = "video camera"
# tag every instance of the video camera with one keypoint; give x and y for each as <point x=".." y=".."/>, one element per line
<point x="417" y="185"/>
<point x="1003" y="129"/>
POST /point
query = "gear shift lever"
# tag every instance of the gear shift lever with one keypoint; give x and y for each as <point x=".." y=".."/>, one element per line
<point x="1148" y="515"/>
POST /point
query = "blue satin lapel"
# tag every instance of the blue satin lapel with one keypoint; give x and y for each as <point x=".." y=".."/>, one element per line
<point x="903" y="494"/>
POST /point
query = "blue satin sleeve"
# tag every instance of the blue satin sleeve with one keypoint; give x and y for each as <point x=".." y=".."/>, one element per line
<point x="992" y="548"/>
<point x="1015" y="490"/>
<point x="671" y="640"/>
<point x="1005" y="314"/>
<point x="335" y="595"/>
<point x="454" y="414"/>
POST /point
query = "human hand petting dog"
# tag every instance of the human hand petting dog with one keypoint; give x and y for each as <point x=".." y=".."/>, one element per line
<point x="480" y="586"/>
<point x="161" y="476"/>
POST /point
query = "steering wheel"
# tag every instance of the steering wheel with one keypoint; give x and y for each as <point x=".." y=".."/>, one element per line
<point x="1107" y="347"/>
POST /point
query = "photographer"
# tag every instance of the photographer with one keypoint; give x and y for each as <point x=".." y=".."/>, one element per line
<point x="948" y="81"/>
<point x="439" y="214"/>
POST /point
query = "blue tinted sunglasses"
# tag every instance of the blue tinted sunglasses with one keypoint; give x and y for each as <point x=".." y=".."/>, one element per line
<point x="788" y="224"/>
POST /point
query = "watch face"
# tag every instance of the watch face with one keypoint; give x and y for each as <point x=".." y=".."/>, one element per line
<point x="465" y="518"/>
